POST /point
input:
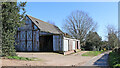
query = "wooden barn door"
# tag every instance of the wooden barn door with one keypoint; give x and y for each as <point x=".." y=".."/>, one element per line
<point x="35" y="40"/>
<point x="22" y="40"/>
<point x="29" y="40"/>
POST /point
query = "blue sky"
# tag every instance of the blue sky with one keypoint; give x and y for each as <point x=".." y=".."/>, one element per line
<point x="104" y="13"/>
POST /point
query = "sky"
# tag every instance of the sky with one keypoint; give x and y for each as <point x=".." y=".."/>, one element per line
<point x="104" y="13"/>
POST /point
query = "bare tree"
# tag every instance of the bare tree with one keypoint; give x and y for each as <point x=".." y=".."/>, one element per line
<point x="78" y="24"/>
<point x="111" y="29"/>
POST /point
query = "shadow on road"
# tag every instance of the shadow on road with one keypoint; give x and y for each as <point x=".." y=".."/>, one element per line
<point x="102" y="61"/>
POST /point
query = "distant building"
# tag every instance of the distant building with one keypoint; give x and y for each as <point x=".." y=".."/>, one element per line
<point x="37" y="35"/>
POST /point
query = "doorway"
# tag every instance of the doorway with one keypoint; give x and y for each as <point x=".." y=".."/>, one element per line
<point x="46" y="43"/>
<point x="77" y="45"/>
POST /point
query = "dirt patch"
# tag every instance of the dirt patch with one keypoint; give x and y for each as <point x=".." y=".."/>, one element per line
<point x="9" y="62"/>
<point x="48" y="59"/>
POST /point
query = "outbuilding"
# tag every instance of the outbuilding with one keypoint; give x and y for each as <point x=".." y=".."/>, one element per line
<point x="39" y="36"/>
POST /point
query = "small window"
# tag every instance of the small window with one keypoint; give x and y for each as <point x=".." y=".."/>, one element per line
<point x="37" y="22"/>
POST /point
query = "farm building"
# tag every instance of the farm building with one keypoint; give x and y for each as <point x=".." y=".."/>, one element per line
<point x="37" y="35"/>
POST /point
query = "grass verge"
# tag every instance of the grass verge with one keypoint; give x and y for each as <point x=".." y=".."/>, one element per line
<point x="114" y="59"/>
<point x="22" y="58"/>
<point x="92" y="53"/>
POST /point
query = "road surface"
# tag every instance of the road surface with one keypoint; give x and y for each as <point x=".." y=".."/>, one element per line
<point x="100" y="60"/>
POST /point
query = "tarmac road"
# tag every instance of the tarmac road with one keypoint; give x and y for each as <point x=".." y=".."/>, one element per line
<point x="100" y="60"/>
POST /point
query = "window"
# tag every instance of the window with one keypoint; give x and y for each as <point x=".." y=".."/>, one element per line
<point x="37" y="22"/>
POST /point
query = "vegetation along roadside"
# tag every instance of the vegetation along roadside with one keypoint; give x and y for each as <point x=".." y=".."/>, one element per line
<point x="92" y="53"/>
<point x="114" y="59"/>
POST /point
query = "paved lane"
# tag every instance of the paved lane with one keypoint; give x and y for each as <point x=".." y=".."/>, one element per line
<point x="100" y="60"/>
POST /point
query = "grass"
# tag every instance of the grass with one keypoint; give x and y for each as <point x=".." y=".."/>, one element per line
<point x="114" y="59"/>
<point x="92" y="53"/>
<point x="23" y="58"/>
<point x="78" y="50"/>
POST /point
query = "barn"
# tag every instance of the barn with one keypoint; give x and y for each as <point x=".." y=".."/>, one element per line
<point x="39" y="36"/>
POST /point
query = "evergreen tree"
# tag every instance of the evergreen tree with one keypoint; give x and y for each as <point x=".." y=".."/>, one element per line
<point x="93" y="41"/>
<point x="0" y="37"/>
<point x="12" y="18"/>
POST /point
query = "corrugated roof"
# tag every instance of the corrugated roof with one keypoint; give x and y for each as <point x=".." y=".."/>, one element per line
<point x="46" y="27"/>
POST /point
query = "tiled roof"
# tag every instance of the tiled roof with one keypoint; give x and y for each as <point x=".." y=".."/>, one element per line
<point x="44" y="26"/>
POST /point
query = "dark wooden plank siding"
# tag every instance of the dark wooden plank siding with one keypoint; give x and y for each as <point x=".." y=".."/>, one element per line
<point x="28" y="37"/>
<point x="36" y="40"/>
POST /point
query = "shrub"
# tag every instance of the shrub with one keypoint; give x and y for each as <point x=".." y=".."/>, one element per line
<point x="116" y="66"/>
<point x="114" y="59"/>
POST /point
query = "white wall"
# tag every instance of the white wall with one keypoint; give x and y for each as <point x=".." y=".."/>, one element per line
<point x="65" y="45"/>
<point x="73" y="45"/>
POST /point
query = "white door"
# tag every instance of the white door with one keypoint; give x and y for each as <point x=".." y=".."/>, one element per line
<point x="65" y="45"/>
<point x="73" y="45"/>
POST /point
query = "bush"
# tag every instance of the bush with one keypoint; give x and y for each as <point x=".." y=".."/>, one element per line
<point x="114" y="59"/>
<point x="116" y="66"/>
